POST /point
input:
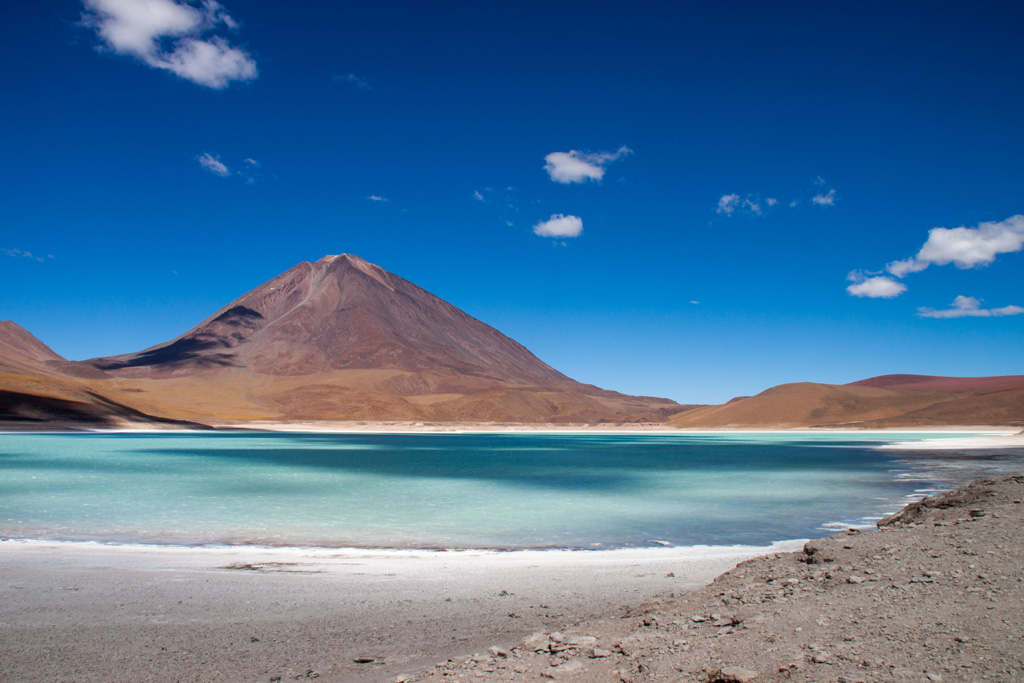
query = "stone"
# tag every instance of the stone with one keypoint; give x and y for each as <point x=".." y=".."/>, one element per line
<point x="582" y="641"/>
<point x="736" y="674"/>
<point x="538" y="642"/>
<point x="570" y="668"/>
<point x="597" y="653"/>
<point x="853" y="578"/>
<point x="496" y="651"/>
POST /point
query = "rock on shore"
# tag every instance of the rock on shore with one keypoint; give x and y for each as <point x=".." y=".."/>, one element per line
<point x="937" y="594"/>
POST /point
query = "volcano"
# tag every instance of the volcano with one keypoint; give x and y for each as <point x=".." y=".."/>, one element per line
<point x="340" y="313"/>
<point x="344" y="339"/>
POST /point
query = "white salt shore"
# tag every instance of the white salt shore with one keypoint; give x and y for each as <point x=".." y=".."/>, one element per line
<point x="94" y="612"/>
<point x="982" y="444"/>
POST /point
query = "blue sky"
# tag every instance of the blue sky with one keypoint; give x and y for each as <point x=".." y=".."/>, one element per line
<point x="696" y="202"/>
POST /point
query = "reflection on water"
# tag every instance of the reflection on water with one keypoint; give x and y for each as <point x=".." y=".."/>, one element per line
<point x="459" y="490"/>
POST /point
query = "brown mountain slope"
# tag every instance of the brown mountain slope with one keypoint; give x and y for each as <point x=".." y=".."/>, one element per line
<point x="338" y="313"/>
<point x="887" y="401"/>
<point x="18" y="345"/>
<point x="343" y="339"/>
<point x="35" y="389"/>
<point x="974" y="385"/>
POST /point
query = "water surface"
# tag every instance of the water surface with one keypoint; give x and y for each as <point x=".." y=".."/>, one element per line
<point x="456" y="490"/>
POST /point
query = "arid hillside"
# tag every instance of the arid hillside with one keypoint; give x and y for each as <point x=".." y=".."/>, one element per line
<point x="886" y="401"/>
<point x="338" y="339"/>
<point x="39" y="389"/>
<point x="342" y="339"/>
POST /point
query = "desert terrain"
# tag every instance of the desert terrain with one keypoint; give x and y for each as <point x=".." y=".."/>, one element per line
<point x="338" y="339"/>
<point x="342" y="340"/>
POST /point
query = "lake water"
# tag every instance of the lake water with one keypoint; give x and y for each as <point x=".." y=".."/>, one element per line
<point x="459" y="490"/>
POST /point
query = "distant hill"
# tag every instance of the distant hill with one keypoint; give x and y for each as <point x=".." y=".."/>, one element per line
<point x="39" y="387"/>
<point x="878" y="402"/>
<point x="343" y="339"/>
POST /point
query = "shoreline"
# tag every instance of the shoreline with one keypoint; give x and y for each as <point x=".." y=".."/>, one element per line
<point x="345" y="427"/>
<point x="657" y="550"/>
<point x="326" y="556"/>
<point x="92" y="612"/>
<point x="990" y="444"/>
<point x="933" y="595"/>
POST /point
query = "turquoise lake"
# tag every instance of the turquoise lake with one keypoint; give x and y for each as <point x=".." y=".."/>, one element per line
<point x="459" y="490"/>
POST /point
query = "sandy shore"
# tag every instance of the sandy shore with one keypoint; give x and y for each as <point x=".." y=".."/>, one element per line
<point x="935" y="595"/>
<point x="89" y="612"/>
<point x="364" y="427"/>
<point x="343" y="427"/>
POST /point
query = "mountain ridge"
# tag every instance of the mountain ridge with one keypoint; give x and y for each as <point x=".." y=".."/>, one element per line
<point x="344" y="339"/>
<point x="393" y="324"/>
<point x="877" y="402"/>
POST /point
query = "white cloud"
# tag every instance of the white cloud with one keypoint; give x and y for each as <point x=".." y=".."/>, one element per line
<point x="879" y="287"/>
<point x="214" y="165"/>
<point x="378" y="198"/>
<point x="755" y="204"/>
<point x="169" y="35"/>
<point x="903" y="268"/>
<point x="250" y="170"/>
<point x="728" y="203"/>
<point x="477" y="196"/>
<point x="357" y="81"/>
<point x="559" y="226"/>
<point x="969" y="307"/>
<point x="827" y="199"/>
<point x="578" y="167"/>
<point x="20" y="253"/>
<point x="965" y="247"/>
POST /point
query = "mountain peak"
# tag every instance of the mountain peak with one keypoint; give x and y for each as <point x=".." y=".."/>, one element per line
<point x="348" y="258"/>
<point x="342" y="338"/>
<point x="331" y="315"/>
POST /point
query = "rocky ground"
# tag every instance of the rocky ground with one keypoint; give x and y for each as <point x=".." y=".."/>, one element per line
<point x="935" y="595"/>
